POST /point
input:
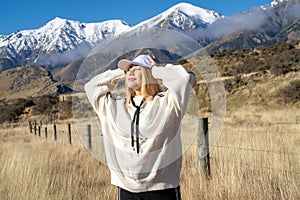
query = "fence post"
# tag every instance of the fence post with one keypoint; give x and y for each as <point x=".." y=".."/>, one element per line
<point x="69" y="134"/>
<point x="89" y="139"/>
<point x="39" y="131"/>
<point x="46" y="134"/>
<point x="203" y="147"/>
<point x="30" y="127"/>
<point x="34" y="128"/>
<point x="54" y="132"/>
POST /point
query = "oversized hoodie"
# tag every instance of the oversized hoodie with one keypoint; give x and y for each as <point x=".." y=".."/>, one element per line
<point x="156" y="164"/>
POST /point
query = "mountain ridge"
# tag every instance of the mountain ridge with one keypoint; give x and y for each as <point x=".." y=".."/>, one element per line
<point x="61" y="42"/>
<point x="29" y="81"/>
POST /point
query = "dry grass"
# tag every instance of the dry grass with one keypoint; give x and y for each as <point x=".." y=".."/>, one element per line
<point x="35" y="168"/>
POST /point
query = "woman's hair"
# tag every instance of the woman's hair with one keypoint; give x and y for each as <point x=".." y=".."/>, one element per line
<point x="149" y="88"/>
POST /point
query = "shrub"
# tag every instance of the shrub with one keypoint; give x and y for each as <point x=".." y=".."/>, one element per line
<point x="45" y="105"/>
<point x="11" y="110"/>
<point x="289" y="93"/>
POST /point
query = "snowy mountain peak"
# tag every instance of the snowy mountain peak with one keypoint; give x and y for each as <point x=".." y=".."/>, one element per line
<point x="274" y="4"/>
<point x="61" y="41"/>
<point x="86" y="29"/>
<point x="207" y="16"/>
<point x="57" y="37"/>
<point x="182" y="17"/>
<point x="277" y="2"/>
<point x="57" y="22"/>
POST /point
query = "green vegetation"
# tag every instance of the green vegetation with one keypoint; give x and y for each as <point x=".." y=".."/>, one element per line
<point x="11" y="110"/>
<point x="278" y="59"/>
<point x="289" y="93"/>
<point x="47" y="105"/>
<point x="253" y="76"/>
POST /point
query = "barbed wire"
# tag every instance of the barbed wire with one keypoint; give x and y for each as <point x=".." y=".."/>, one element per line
<point x="257" y="131"/>
<point x="290" y="187"/>
<point x="260" y="150"/>
<point x="216" y="159"/>
<point x="261" y="123"/>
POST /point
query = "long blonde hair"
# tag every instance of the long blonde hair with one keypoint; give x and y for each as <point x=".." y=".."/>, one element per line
<point x="149" y="88"/>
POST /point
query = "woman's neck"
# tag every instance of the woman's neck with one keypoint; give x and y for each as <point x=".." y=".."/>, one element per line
<point x="138" y="93"/>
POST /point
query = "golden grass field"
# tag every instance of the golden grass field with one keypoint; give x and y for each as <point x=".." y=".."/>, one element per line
<point x="35" y="168"/>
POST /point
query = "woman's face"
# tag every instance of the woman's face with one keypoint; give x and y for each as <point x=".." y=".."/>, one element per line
<point x="134" y="77"/>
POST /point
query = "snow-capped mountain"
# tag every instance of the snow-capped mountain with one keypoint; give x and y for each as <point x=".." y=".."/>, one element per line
<point x="267" y="24"/>
<point x="280" y="3"/>
<point x="277" y="2"/>
<point x="182" y="16"/>
<point x="61" y="41"/>
<point x="45" y="46"/>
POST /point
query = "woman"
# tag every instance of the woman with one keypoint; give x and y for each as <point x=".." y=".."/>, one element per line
<point x="142" y="131"/>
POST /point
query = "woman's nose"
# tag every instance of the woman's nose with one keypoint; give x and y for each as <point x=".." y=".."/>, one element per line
<point x="131" y="71"/>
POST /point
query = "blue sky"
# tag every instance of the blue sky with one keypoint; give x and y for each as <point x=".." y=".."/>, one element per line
<point x="31" y="14"/>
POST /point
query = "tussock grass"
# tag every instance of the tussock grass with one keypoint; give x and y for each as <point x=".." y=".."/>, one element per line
<point x="35" y="168"/>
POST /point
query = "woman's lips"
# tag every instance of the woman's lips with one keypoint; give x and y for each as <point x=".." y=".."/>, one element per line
<point x="131" y="79"/>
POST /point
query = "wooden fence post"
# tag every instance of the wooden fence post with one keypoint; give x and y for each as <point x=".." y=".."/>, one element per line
<point x="46" y="134"/>
<point x="69" y="134"/>
<point x="34" y="128"/>
<point x="54" y="132"/>
<point x="203" y="147"/>
<point x="39" y="131"/>
<point x="89" y="135"/>
<point x="30" y="127"/>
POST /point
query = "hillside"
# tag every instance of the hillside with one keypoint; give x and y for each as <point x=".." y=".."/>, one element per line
<point x="266" y="77"/>
<point x="64" y="43"/>
<point x="263" y="78"/>
<point x="280" y="58"/>
<point x="23" y="82"/>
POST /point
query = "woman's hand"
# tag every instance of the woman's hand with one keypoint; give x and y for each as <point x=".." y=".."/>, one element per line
<point x="152" y="62"/>
<point x="118" y="75"/>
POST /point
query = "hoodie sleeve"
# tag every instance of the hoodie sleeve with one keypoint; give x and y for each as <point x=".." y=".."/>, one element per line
<point x="178" y="81"/>
<point x="101" y="84"/>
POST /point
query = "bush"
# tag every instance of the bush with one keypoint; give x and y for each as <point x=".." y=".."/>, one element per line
<point x="45" y="105"/>
<point x="290" y="93"/>
<point x="279" y="59"/>
<point x="11" y="110"/>
<point x="65" y="109"/>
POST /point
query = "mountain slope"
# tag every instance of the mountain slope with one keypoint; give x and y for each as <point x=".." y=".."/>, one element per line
<point x="265" y="25"/>
<point x="182" y="17"/>
<point x="61" y="41"/>
<point x="58" y="42"/>
<point x="22" y="82"/>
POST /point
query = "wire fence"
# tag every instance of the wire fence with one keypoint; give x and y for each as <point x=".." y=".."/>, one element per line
<point x="270" y="150"/>
<point x="280" y="139"/>
<point x="277" y="138"/>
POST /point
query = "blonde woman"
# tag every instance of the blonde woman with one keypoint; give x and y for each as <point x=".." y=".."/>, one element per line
<point x="141" y="132"/>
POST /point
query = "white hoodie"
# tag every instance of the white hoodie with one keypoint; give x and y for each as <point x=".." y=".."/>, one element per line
<point x="158" y="163"/>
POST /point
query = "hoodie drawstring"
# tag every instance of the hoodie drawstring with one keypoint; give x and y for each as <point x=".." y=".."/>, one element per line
<point x="135" y="121"/>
